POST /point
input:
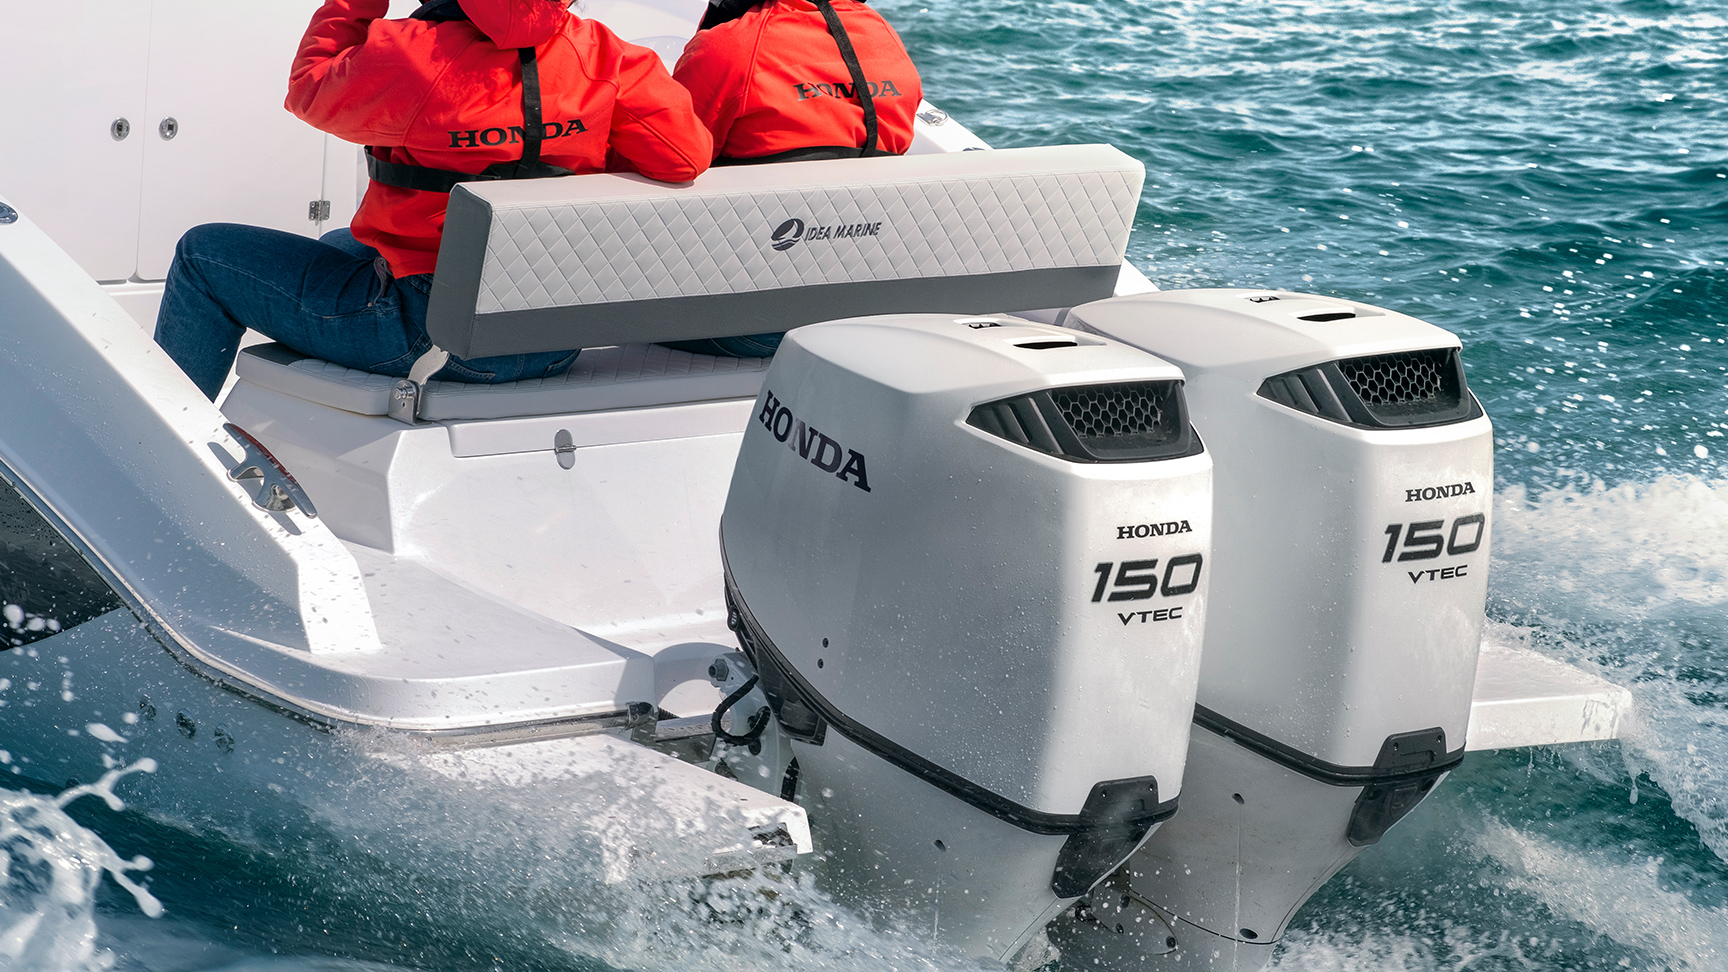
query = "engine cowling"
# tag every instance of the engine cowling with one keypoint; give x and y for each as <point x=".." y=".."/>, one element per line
<point x="1354" y="474"/>
<point x="970" y="559"/>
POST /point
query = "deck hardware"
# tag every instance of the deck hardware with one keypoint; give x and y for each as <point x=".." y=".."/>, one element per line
<point x="8" y="214"/>
<point x="168" y="129"/>
<point x="933" y="116"/>
<point x="565" y="447"/>
<point x="404" y="400"/>
<point x="318" y="210"/>
<point x="641" y="718"/>
<point x="407" y="398"/>
<point x="279" y="491"/>
<point x="120" y="129"/>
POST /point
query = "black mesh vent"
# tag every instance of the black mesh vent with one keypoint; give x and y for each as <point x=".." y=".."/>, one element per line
<point x="1105" y="410"/>
<point x="1123" y="422"/>
<point x="1408" y="378"/>
<point x="1409" y="389"/>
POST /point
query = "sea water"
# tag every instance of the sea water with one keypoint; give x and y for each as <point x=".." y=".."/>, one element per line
<point x="1547" y="179"/>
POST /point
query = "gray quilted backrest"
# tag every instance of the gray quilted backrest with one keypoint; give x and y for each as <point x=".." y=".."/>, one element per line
<point x="594" y="260"/>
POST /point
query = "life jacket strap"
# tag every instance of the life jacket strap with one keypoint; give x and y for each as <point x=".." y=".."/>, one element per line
<point x="837" y="30"/>
<point x="403" y="175"/>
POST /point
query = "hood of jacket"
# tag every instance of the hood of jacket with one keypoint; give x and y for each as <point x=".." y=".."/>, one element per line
<point x="516" y="23"/>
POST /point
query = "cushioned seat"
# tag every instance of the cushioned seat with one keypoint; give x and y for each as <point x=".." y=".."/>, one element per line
<point x="630" y="376"/>
<point x="589" y="261"/>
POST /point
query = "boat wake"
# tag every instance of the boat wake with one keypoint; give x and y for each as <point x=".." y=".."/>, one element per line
<point x="1545" y="859"/>
<point x="389" y="843"/>
<point x="1632" y="582"/>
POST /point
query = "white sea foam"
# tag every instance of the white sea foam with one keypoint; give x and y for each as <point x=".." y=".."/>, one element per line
<point x="1628" y="902"/>
<point x="489" y="840"/>
<point x="50" y="867"/>
<point x="1633" y="582"/>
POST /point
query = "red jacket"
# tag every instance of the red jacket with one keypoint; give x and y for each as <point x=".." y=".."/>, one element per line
<point x="445" y="95"/>
<point x="773" y="80"/>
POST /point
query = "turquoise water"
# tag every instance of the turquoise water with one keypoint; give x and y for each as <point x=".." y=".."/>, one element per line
<point x="1549" y="180"/>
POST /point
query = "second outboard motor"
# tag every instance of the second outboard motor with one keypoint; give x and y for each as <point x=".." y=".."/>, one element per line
<point x="1354" y="472"/>
<point x="969" y="558"/>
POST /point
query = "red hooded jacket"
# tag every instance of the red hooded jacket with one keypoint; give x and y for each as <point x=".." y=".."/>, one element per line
<point x="773" y="80"/>
<point x="446" y="95"/>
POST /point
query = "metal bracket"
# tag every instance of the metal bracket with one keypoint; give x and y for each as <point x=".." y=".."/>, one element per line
<point x="318" y="210"/>
<point x="279" y="492"/>
<point x="408" y="395"/>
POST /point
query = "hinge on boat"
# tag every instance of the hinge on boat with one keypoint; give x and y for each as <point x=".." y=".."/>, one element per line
<point x="318" y="210"/>
<point x="407" y="398"/>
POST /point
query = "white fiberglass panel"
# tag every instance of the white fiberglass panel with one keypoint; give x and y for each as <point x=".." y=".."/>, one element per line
<point x="108" y="436"/>
<point x="1525" y="698"/>
<point x="70" y="74"/>
<point x="220" y="71"/>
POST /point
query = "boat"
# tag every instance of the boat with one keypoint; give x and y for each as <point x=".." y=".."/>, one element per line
<point x="1014" y="598"/>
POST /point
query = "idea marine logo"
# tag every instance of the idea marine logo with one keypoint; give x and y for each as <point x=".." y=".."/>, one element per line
<point x="792" y="232"/>
<point x="787" y="235"/>
<point x="1438" y="492"/>
<point x="822" y="451"/>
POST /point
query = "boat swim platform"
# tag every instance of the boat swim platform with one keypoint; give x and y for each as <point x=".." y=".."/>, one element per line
<point x="1525" y="698"/>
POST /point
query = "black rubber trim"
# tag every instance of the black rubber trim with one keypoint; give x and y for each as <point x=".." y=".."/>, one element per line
<point x="946" y="780"/>
<point x="1291" y="758"/>
<point x="454" y="326"/>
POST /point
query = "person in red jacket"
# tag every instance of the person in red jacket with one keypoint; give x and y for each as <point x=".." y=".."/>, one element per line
<point x="469" y="91"/>
<point x="793" y="81"/>
<point x="789" y="80"/>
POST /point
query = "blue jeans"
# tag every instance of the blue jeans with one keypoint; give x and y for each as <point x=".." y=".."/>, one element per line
<point x="748" y="346"/>
<point x="331" y="298"/>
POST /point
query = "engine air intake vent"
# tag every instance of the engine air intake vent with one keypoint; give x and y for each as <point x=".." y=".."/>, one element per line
<point x="1407" y="389"/>
<point x="1410" y="378"/>
<point x="1123" y="422"/>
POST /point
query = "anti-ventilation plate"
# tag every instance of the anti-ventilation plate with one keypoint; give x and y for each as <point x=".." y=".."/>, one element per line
<point x="1406" y="389"/>
<point x="1121" y="422"/>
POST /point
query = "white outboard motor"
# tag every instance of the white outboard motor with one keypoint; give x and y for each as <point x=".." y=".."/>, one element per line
<point x="969" y="558"/>
<point x="1354" y="472"/>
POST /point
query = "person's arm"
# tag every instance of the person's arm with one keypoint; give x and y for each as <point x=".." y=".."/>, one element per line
<point x="355" y="76"/>
<point x="715" y="69"/>
<point x="654" y="130"/>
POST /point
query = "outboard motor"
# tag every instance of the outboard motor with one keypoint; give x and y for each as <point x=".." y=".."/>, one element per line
<point x="969" y="558"/>
<point x="1354" y="472"/>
